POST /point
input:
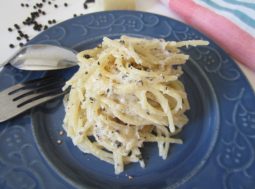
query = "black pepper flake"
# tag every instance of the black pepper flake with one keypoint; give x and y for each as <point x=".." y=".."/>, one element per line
<point x="27" y="5"/>
<point x="37" y="27"/>
<point x="122" y="42"/>
<point x="75" y="15"/>
<point x="86" y="72"/>
<point x="26" y="36"/>
<point x="118" y="143"/>
<point x="49" y="3"/>
<point x="148" y="113"/>
<point x="98" y="63"/>
<point x="54" y="21"/>
<point x="85" y="6"/>
<point x="45" y="27"/>
<point x="108" y="90"/>
<point x="49" y="22"/>
<point x="43" y="13"/>
<point x="65" y="4"/>
<point x="22" y="5"/>
<point x="34" y="15"/>
<point x="11" y="46"/>
<point x="21" y="44"/>
<point x="18" y="38"/>
<point x="87" y="56"/>
<point x="129" y="153"/>
<point x="56" y="6"/>
<point x="10" y="29"/>
<point x="90" y="98"/>
<point x="16" y="26"/>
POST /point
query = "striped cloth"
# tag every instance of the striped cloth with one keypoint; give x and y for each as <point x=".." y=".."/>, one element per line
<point x="230" y="23"/>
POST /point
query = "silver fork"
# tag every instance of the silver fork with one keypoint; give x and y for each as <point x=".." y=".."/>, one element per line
<point x="24" y="96"/>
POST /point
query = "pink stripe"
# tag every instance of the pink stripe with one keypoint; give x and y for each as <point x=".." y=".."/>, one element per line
<point x="230" y="37"/>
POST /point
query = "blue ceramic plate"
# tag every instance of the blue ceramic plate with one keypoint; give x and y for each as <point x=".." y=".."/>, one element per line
<point x="219" y="140"/>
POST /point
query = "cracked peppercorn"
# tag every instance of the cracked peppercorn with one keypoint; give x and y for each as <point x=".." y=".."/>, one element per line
<point x="87" y="56"/>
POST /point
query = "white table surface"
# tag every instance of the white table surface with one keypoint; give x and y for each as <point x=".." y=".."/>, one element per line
<point x="11" y="12"/>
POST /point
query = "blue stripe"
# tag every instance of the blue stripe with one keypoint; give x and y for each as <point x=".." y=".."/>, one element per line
<point x="247" y="5"/>
<point x="243" y="17"/>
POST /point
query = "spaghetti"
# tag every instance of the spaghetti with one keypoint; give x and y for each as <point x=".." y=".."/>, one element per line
<point x="125" y="93"/>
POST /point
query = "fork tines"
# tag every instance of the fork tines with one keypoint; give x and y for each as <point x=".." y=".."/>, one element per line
<point x="24" y="96"/>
